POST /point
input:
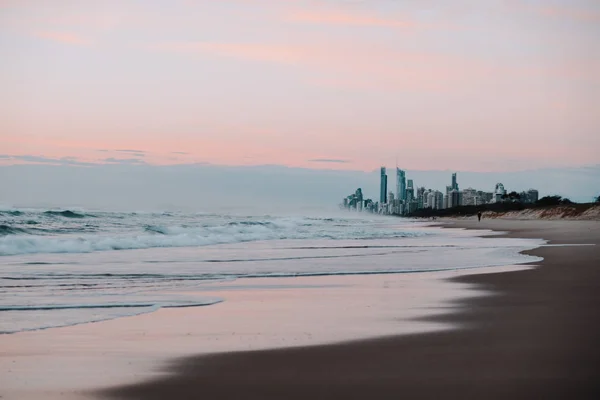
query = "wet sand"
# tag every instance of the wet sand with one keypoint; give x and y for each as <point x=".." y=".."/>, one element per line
<point x="536" y="337"/>
<point x="257" y="314"/>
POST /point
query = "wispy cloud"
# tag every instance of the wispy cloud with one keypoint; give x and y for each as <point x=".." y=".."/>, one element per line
<point x="63" y="37"/>
<point x="129" y="161"/>
<point x="250" y="51"/>
<point x="340" y="59"/>
<point x="69" y="161"/>
<point x="135" y="153"/>
<point x="180" y="152"/>
<point x="347" y="19"/>
<point x="566" y="12"/>
<point x="576" y="14"/>
<point x="358" y="65"/>
<point x="72" y="161"/>
<point x="329" y="160"/>
<point x="131" y="151"/>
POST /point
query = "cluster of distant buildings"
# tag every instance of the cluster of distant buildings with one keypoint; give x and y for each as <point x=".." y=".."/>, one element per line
<point x="409" y="198"/>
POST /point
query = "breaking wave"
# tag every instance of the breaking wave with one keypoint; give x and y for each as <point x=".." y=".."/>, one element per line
<point x="41" y="291"/>
<point x="156" y="229"/>
<point x="66" y="214"/>
<point x="9" y="230"/>
<point x="43" y="232"/>
<point x="14" y="213"/>
<point x="29" y="244"/>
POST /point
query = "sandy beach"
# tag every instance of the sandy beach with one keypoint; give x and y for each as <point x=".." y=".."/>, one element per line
<point x="473" y="333"/>
<point x="535" y="338"/>
<point x="257" y="314"/>
<point x="285" y="200"/>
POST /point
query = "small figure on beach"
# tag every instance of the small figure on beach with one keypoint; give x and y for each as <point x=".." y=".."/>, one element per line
<point x="479" y="216"/>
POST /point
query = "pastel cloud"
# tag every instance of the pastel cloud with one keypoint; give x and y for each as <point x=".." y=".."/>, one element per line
<point x="137" y="153"/>
<point x="63" y="37"/>
<point x="569" y="13"/>
<point x="249" y="51"/>
<point x="346" y="18"/>
<point x="329" y="160"/>
<point x="583" y="11"/>
<point x="286" y="82"/>
<point x="358" y="65"/>
<point x="364" y="66"/>
<point x="112" y="160"/>
<point x="69" y="161"/>
<point x="28" y="158"/>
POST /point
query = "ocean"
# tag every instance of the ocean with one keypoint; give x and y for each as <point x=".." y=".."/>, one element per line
<point x="67" y="267"/>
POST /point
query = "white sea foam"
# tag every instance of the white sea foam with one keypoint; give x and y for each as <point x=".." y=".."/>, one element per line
<point x="138" y="233"/>
<point x="64" y="269"/>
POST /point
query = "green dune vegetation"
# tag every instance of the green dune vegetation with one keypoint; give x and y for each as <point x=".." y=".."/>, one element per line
<point x="549" y="207"/>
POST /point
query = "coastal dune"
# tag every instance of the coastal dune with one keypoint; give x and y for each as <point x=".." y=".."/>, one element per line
<point x="574" y="212"/>
<point x="536" y="337"/>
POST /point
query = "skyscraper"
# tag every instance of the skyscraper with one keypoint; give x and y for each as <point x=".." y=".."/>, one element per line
<point x="470" y="197"/>
<point x="499" y="192"/>
<point x="400" y="184"/>
<point x="359" y="199"/>
<point x="454" y="199"/>
<point x="420" y="197"/>
<point x="410" y="191"/>
<point x="439" y="200"/>
<point x="533" y="195"/>
<point x="430" y="200"/>
<point x="383" y="187"/>
<point x="454" y="183"/>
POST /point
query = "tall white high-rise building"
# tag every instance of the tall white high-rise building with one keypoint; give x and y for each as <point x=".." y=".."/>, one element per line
<point x="439" y="200"/>
<point x="431" y="199"/>
<point x="470" y="197"/>
<point x="499" y="192"/>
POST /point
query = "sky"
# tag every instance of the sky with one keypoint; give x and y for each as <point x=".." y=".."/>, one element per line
<point x="482" y="86"/>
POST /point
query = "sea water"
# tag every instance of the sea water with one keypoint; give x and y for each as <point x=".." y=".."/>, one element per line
<point x="64" y="267"/>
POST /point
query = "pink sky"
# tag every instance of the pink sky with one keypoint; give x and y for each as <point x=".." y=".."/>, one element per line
<point x="481" y="86"/>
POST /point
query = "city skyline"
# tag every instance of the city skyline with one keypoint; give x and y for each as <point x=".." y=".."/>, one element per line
<point x="321" y="85"/>
<point x="263" y="189"/>
<point x="405" y="202"/>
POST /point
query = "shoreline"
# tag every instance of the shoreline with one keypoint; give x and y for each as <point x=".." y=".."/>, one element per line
<point x="143" y="356"/>
<point x="534" y="337"/>
<point x="258" y="314"/>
